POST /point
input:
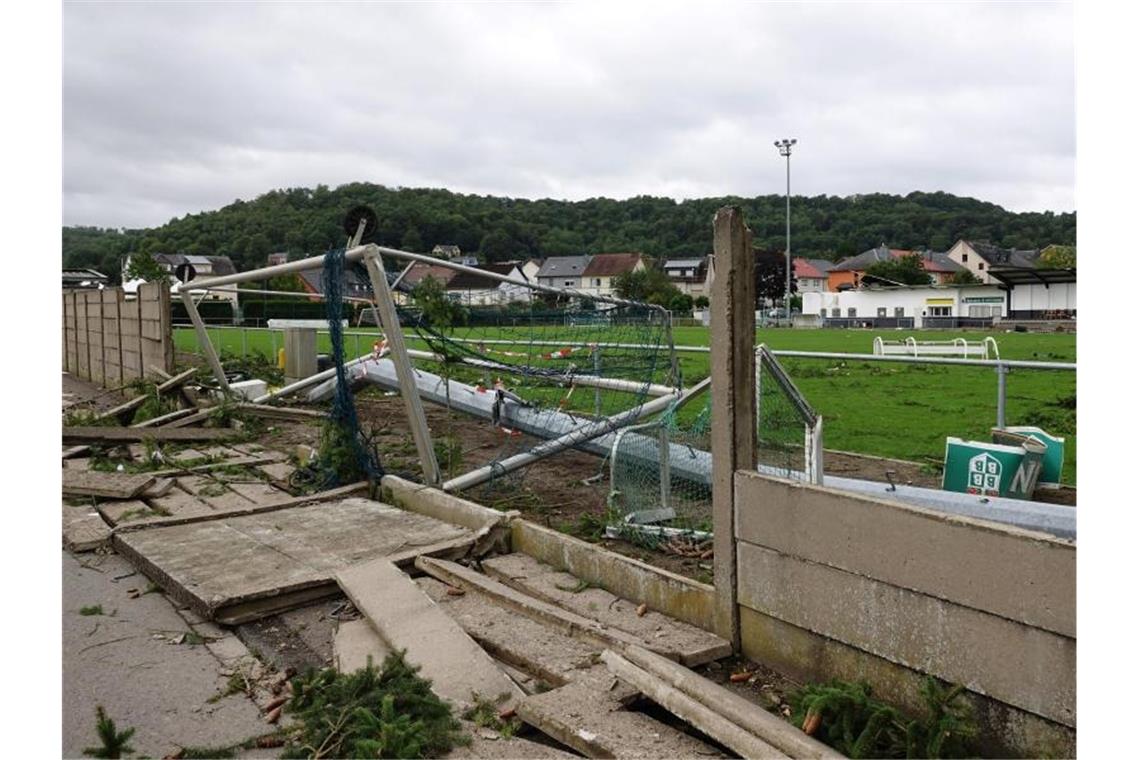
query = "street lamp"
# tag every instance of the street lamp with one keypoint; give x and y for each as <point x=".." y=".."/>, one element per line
<point x="785" y="148"/>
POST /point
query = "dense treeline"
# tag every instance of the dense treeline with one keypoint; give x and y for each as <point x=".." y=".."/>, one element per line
<point x="306" y="221"/>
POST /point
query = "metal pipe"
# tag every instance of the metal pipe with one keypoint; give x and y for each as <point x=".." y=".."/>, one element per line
<point x="569" y="440"/>
<point x="204" y="341"/>
<point x="306" y="382"/>
<point x="265" y="273"/>
<point x="1002" y="371"/>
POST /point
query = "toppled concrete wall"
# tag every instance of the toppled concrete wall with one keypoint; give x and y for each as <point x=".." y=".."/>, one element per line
<point x="836" y="585"/>
<point x="110" y="340"/>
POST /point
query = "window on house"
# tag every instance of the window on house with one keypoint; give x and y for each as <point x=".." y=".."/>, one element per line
<point x="981" y="265"/>
<point x="597" y="282"/>
<point x="882" y="311"/>
<point x="964" y="257"/>
<point x="567" y="283"/>
<point x="835" y="312"/>
<point x="851" y="313"/>
<point x="899" y="312"/>
<point x="939" y="311"/>
<point x="823" y="313"/>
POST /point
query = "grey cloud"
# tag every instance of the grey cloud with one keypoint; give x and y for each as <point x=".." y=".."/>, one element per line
<point x="176" y="108"/>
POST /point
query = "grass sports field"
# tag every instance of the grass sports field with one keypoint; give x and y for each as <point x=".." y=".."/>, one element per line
<point x="902" y="411"/>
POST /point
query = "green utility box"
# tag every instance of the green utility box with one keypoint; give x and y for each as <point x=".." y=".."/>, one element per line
<point x="1051" y="462"/>
<point x="992" y="469"/>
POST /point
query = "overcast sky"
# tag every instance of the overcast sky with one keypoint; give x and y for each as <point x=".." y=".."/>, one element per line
<point x="174" y="109"/>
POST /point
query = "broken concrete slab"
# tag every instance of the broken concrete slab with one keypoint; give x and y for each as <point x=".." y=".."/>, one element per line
<point x="355" y="643"/>
<point x="407" y="619"/>
<point x="260" y="492"/>
<point x="588" y="720"/>
<point x="84" y="529"/>
<point x="696" y="714"/>
<point x="278" y="471"/>
<point x="115" y="512"/>
<point x="693" y="645"/>
<point x="540" y="650"/>
<point x="571" y="622"/>
<point x="235" y="569"/>
<point x="178" y="503"/>
<point x="106" y="485"/>
<point x="159" y="488"/>
<point x="217" y="493"/>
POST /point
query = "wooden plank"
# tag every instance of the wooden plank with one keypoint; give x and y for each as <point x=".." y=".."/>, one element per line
<point x="591" y="721"/>
<point x="1020" y="575"/>
<point x="526" y="574"/>
<point x="105" y="434"/>
<point x="1023" y="666"/>
<point x="283" y="412"/>
<point x="407" y="619"/>
<point x="732" y="332"/>
<point x="691" y="711"/>
<point x="536" y="609"/>
<point x="274" y="557"/>
<point x="109" y="485"/>
<point x="83" y="529"/>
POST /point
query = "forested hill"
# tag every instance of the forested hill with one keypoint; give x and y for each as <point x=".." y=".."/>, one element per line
<point x="306" y="221"/>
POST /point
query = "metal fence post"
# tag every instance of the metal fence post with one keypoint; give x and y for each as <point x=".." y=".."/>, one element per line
<point x="597" y="374"/>
<point x="1002" y="371"/>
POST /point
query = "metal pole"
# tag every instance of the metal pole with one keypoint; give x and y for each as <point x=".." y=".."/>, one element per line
<point x="1002" y="371"/>
<point x="663" y="458"/>
<point x="390" y="321"/>
<point x="788" y="238"/>
<point x="204" y="341"/>
<point x="597" y="374"/>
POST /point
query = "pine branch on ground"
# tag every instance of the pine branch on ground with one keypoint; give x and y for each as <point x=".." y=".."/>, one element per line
<point x="114" y="742"/>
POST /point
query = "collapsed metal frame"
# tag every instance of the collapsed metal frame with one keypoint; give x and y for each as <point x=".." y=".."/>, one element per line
<point x="384" y="306"/>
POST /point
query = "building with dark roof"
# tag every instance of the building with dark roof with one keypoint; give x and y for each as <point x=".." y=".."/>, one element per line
<point x="849" y="272"/>
<point x="979" y="256"/>
<point x="562" y="271"/>
<point x="689" y="275"/>
<point x="84" y="279"/>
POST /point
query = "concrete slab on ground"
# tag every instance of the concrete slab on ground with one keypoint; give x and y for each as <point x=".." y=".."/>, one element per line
<point x="235" y="569"/>
<point x="354" y="643"/>
<point x="523" y="572"/>
<point x="83" y="528"/>
<point x="588" y="720"/>
<point x="125" y="661"/>
<point x="406" y="618"/>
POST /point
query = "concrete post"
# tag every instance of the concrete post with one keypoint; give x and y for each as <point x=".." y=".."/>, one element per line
<point x="732" y="327"/>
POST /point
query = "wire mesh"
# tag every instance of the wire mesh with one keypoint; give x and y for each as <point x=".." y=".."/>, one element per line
<point x="661" y="472"/>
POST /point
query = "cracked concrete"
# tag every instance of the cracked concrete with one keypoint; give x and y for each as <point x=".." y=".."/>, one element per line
<point x="125" y="660"/>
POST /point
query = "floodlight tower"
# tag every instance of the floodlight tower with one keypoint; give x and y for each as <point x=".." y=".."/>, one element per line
<point x="785" y="148"/>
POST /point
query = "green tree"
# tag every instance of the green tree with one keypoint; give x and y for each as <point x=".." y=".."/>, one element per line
<point x="770" y="273"/>
<point x="964" y="277"/>
<point x="906" y="270"/>
<point x="142" y="266"/>
<point x="1058" y="257"/>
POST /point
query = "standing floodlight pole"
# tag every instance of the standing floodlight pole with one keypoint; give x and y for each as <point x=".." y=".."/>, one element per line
<point x="785" y="148"/>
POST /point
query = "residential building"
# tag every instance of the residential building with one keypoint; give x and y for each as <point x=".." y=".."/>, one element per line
<point x="185" y="269"/>
<point x="601" y="271"/>
<point x="810" y="274"/>
<point x="978" y="257"/>
<point x="274" y="259"/>
<point x="453" y="254"/>
<point x="355" y="283"/>
<point x="690" y="276"/>
<point x="849" y="273"/>
<point x="84" y="279"/>
<point x="472" y="289"/>
<point x="562" y="271"/>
